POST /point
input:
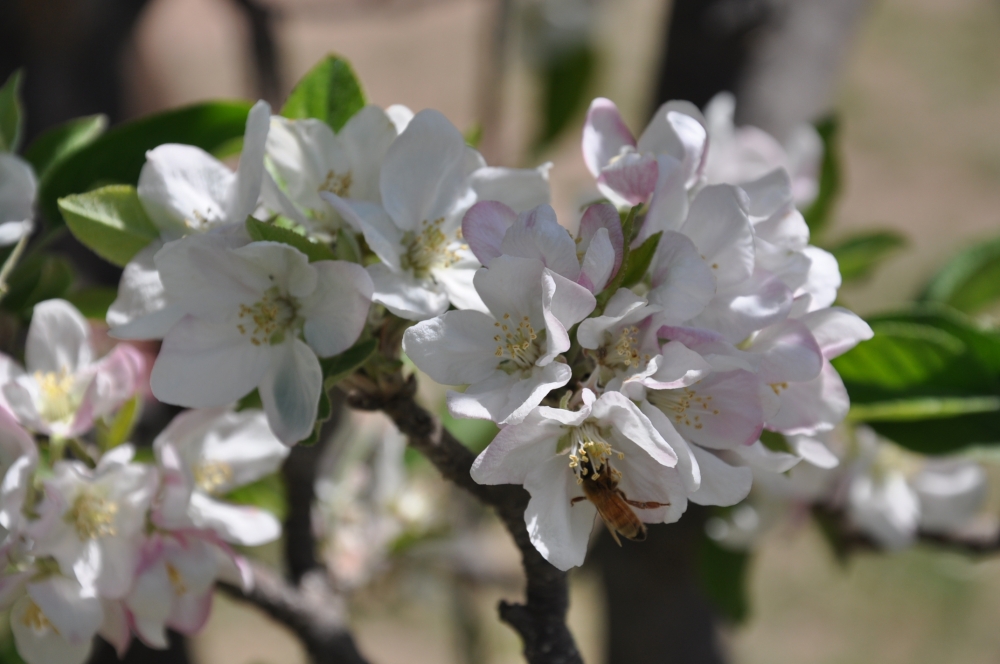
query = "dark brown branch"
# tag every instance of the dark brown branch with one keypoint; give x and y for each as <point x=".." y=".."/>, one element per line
<point x="541" y="620"/>
<point x="312" y="610"/>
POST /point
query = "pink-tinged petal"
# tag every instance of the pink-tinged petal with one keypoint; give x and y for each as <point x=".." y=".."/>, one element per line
<point x="537" y="234"/>
<point x="564" y="304"/>
<point x="484" y="226"/>
<point x="632" y="176"/>
<point x="720" y="229"/>
<point x="789" y="353"/>
<point x="678" y="129"/>
<point x="816" y="405"/>
<point x="721" y="483"/>
<point x="117" y="378"/>
<point x="559" y="529"/>
<point x="687" y="465"/>
<point x="511" y="287"/>
<point x="683" y="283"/>
<point x="722" y="411"/>
<point x="823" y="279"/>
<point x="671" y="201"/>
<point x="58" y="338"/>
<point x="290" y="391"/>
<point x="598" y="263"/>
<point x="629" y="422"/>
<point x="596" y="217"/>
<point x="517" y="450"/>
<point x="204" y="364"/>
<point x="456" y="348"/>
<point x="769" y="194"/>
<point x="191" y="612"/>
<point x="245" y="191"/>
<point x="836" y="330"/>
<point x="337" y="311"/>
<point x="677" y="366"/>
<point x="115" y="629"/>
<point x="604" y="135"/>
<point x="506" y="398"/>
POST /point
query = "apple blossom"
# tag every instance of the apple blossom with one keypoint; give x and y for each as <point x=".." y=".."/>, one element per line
<point x="554" y="452"/>
<point x="64" y="389"/>
<point x="55" y="621"/>
<point x="507" y="357"/>
<point x="244" y="311"/>
<point x="429" y="178"/>
<point x="185" y="190"/>
<point x="204" y="454"/>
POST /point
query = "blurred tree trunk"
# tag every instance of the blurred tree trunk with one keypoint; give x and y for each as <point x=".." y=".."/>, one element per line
<point x="782" y="59"/>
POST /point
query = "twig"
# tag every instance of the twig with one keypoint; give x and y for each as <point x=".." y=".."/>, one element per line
<point x="11" y="263"/>
<point x="312" y="610"/>
<point x="541" y="620"/>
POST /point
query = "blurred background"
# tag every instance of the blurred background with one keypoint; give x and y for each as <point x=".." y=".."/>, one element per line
<point x="915" y="86"/>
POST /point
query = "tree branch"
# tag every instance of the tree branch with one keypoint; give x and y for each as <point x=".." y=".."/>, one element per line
<point x="312" y="610"/>
<point x="541" y="620"/>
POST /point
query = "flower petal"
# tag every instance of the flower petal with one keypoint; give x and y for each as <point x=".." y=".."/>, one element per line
<point x="456" y="348"/>
<point x="142" y="309"/>
<point x="238" y="524"/>
<point x="484" y="226"/>
<point x="517" y="450"/>
<point x="604" y="135"/>
<point x="506" y="398"/>
<point x="18" y="188"/>
<point x="58" y="339"/>
<point x="183" y="188"/>
<point x="290" y="391"/>
<point x="245" y="191"/>
<point x="337" y="310"/>
<point x="632" y="176"/>
<point x="537" y="234"/>
<point x="683" y="283"/>
<point x="522" y="189"/>
<point x="558" y="529"/>
<point x="836" y="330"/>
<point x="720" y="229"/>
<point x="721" y="483"/>
<point x="406" y="296"/>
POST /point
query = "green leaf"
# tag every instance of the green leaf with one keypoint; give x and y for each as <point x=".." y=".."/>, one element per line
<point x="329" y="92"/>
<point x="118" y="155"/>
<point x="263" y="231"/>
<point x="341" y="366"/>
<point x="11" y="114"/>
<point x="970" y="281"/>
<point x="251" y="400"/>
<point x="566" y="79"/>
<point x="722" y="574"/>
<point x="474" y="135"/>
<point x="638" y="261"/>
<point x="110" y="221"/>
<point x="818" y="214"/>
<point x="36" y="279"/>
<point x="93" y="302"/>
<point x="120" y="428"/>
<point x="928" y="379"/>
<point x="55" y="145"/>
<point x="267" y="493"/>
<point x="859" y="255"/>
<point x="905" y="410"/>
<point x="347" y="247"/>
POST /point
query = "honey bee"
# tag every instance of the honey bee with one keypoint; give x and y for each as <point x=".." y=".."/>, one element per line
<point x="614" y="506"/>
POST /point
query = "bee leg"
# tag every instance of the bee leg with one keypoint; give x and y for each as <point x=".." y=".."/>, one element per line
<point x="649" y="505"/>
<point x="574" y="501"/>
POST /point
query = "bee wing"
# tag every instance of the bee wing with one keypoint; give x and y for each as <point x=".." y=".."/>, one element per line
<point x="619" y="518"/>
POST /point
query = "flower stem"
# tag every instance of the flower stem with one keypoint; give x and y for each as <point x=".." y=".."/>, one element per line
<point x="11" y="263"/>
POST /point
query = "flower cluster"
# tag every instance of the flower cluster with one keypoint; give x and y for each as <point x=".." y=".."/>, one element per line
<point x="633" y="366"/>
<point x="94" y="541"/>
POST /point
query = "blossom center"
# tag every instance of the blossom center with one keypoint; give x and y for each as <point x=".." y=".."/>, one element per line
<point x="338" y="184"/>
<point x="427" y="249"/>
<point x="35" y="619"/>
<point x="685" y="406"/>
<point x="516" y="344"/>
<point x="590" y="454"/>
<point x="623" y="350"/>
<point x="268" y="319"/>
<point x="58" y="398"/>
<point x="93" y="516"/>
<point x="176" y="580"/>
<point x="212" y="475"/>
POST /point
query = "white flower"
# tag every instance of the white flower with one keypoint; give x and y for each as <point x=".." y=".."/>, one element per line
<point x="204" y="454"/>
<point x="604" y="458"/>
<point x="64" y="388"/>
<point x="91" y="521"/>
<point x="307" y="158"/>
<point x="623" y="338"/>
<point x="673" y="146"/>
<point x="592" y="259"/>
<point x="55" y="621"/>
<point x="245" y="310"/>
<point x="740" y="154"/>
<point x="185" y="190"/>
<point x="506" y="357"/>
<point x="18" y="459"/>
<point x="173" y="586"/>
<point x="18" y="188"/>
<point x="429" y="178"/>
